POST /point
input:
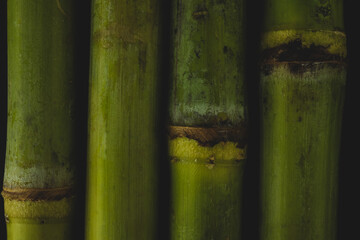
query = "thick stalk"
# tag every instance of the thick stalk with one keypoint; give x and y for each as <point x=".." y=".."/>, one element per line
<point x="207" y="119"/>
<point x="39" y="168"/>
<point x="302" y="91"/>
<point x="121" y="184"/>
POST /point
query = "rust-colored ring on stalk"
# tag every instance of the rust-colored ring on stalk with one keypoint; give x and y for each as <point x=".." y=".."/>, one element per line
<point x="37" y="194"/>
<point x="295" y="51"/>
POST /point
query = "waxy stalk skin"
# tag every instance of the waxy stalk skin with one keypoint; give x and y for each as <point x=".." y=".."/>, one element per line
<point x="121" y="194"/>
<point x="303" y="74"/>
<point x="40" y="156"/>
<point x="208" y="119"/>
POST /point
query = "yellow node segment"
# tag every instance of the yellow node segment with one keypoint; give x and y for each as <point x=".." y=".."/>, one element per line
<point x="183" y="147"/>
<point x="333" y="41"/>
<point x="39" y="209"/>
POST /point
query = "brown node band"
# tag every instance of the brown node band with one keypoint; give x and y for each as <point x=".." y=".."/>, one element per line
<point x="209" y="136"/>
<point x="37" y="194"/>
<point x="294" y="51"/>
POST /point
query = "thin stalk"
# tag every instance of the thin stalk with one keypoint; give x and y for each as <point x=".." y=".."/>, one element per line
<point x="121" y="185"/>
<point x="207" y="119"/>
<point x="302" y="92"/>
<point x="39" y="168"/>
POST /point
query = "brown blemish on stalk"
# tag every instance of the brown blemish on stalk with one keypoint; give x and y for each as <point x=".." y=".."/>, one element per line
<point x="324" y="11"/>
<point x="210" y="136"/>
<point x="174" y="160"/>
<point x="200" y="14"/>
<point x="37" y="194"/>
<point x="211" y="162"/>
<point x="294" y="51"/>
<point x="197" y="52"/>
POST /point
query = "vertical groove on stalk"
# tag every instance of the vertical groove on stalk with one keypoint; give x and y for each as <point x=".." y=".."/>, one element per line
<point x="3" y="102"/>
<point x="208" y="119"/>
<point x="303" y="76"/>
<point x="121" y="184"/>
<point x="39" y="168"/>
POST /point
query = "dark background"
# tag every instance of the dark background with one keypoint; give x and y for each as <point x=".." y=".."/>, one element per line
<point x="348" y="210"/>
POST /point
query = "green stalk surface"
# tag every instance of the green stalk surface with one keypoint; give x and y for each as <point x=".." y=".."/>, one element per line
<point x="122" y="157"/>
<point x="207" y="119"/>
<point x="39" y="168"/>
<point x="302" y="91"/>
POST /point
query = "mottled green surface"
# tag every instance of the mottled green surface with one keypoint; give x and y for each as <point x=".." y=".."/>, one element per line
<point x="122" y="159"/>
<point x="301" y="120"/>
<point x="304" y="14"/>
<point x="207" y="90"/>
<point x="208" y="73"/>
<point x="40" y="146"/>
<point x="41" y="209"/>
<point x="302" y="92"/>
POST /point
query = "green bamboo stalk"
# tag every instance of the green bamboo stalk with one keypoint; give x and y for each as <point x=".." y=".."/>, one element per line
<point x="39" y="168"/>
<point x="302" y="91"/>
<point x="122" y="156"/>
<point x="207" y="119"/>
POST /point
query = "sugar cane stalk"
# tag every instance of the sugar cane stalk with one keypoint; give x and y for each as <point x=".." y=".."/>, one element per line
<point x="121" y="184"/>
<point x="207" y="119"/>
<point x="302" y="90"/>
<point x="39" y="168"/>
